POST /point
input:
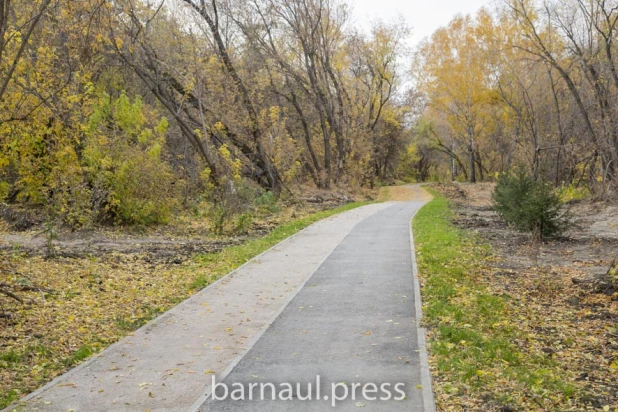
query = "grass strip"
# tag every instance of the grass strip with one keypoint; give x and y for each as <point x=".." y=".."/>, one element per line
<point x="477" y="357"/>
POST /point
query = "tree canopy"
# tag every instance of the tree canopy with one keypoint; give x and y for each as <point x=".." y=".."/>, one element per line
<point x="118" y="111"/>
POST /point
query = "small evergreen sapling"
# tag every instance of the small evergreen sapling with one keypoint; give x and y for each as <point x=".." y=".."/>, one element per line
<point x="530" y="205"/>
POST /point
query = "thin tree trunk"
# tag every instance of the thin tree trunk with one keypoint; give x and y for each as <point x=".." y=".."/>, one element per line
<point x="471" y="151"/>
<point x="264" y="162"/>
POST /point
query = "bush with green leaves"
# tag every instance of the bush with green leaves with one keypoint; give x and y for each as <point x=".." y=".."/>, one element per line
<point x="233" y="208"/>
<point x="530" y="205"/>
<point x="267" y="204"/>
<point x="132" y="183"/>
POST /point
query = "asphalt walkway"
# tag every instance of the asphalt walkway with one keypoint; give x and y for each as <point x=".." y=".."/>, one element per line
<point x="353" y="324"/>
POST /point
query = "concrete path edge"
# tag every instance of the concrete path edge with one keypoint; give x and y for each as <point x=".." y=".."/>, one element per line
<point x="429" y="404"/>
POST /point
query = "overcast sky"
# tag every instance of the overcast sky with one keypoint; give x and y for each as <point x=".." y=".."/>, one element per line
<point x="423" y="16"/>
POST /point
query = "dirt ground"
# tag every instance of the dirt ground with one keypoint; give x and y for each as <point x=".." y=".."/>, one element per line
<point x="590" y="246"/>
<point x="404" y="193"/>
<point x="568" y="309"/>
<point x="24" y="233"/>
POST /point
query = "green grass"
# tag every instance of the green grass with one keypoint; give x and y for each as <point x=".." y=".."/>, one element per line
<point x="84" y="352"/>
<point x="472" y="331"/>
<point x="8" y="398"/>
<point x="148" y="313"/>
<point x="9" y="358"/>
<point x="201" y="281"/>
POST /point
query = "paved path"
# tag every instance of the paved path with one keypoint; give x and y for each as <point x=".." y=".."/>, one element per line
<point x="353" y="322"/>
<point x="337" y="299"/>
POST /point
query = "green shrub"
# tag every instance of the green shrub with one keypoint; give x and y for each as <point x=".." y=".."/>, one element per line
<point x="267" y="204"/>
<point x="218" y="214"/>
<point x="530" y="205"/>
<point x="5" y="189"/>
<point x="130" y="179"/>
<point x="233" y="207"/>
<point x="243" y="222"/>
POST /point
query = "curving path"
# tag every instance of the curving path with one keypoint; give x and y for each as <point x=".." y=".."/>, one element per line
<point x="338" y="299"/>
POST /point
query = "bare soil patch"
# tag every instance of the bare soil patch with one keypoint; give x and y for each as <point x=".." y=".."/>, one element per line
<point x="590" y="246"/>
<point x="23" y="231"/>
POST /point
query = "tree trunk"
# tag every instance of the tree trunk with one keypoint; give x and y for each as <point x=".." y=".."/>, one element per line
<point x="471" y="151"/>
<point x="272" y="176"/>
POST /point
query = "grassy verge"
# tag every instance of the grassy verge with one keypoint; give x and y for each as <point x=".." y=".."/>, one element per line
<point x="477" y="335"/>
<point x="89" y="303"/>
